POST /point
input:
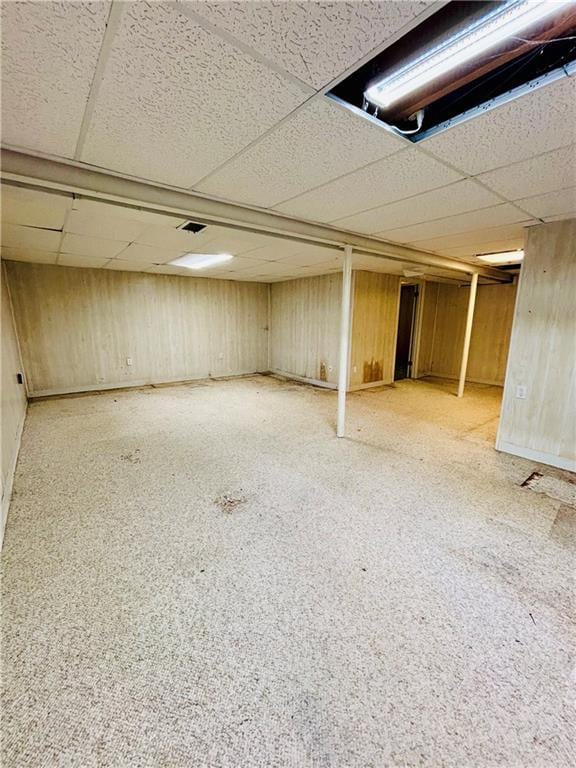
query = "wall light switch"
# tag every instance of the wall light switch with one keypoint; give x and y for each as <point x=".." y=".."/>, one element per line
<point x="521" y="391"/>
<point x="128" y="361"/>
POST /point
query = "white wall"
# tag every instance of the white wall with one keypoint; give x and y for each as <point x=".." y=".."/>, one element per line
<point x="13" y="401"/>
<point x="542" y="426"/>
<point x="77" y="327"/>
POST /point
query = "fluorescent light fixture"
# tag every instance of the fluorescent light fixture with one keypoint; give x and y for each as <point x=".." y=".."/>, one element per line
<point x="509" y="19"/>
<point x="506" y="257"/>
<point x="201" y="260"/>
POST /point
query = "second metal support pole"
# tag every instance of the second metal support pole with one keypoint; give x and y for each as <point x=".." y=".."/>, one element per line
<point x="344" y="340"/>
<point x="467" y="333"/>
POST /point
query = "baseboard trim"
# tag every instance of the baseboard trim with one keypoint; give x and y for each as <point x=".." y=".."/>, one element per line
<point x="370" y="384"/>
<point x="7" y="490"/>
<point x="452" y="377"/>
<point x="328" y="384"/>
<point x="540" y="456"/>
<point x="59" y="391"/>
<point x="303" y="379"/>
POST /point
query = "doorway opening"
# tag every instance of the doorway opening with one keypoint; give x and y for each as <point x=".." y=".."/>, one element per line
<point x="403" y="364"/>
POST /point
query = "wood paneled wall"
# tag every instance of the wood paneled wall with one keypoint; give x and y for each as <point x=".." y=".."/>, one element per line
<point x="13" y="401"/>
<point x="305" y="327"/>
<point x="374" y="322"/>
<point x="78" y="327"/>
<point x="443" y="327"/>
<point x="542" y="426"/>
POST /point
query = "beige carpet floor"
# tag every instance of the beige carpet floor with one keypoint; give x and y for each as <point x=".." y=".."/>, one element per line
<point x="203" y="575"/>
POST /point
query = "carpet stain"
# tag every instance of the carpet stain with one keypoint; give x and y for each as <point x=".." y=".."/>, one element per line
<point x="228" y="503"/>
<point x="131" y="457"/>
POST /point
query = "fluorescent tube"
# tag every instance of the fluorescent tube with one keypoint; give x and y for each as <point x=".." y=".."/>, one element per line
<point x="510" y="18"/>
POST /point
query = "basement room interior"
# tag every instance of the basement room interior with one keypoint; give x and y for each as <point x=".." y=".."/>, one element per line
<point x="288" y="365"/>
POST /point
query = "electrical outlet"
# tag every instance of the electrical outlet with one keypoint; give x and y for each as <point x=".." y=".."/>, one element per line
<point x="521" y="391"/>
<point x="128" y="361"/>
<point x="221" y="356"/>
<point x="330" y="368"/>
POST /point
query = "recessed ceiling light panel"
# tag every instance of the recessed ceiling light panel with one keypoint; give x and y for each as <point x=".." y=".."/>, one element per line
<point x="201" y="260"/>
<point x="510" y="19"/>
<point x="506" y="257"/>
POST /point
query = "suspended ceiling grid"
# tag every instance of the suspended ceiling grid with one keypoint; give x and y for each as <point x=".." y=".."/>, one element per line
<point x="227" y="98"/>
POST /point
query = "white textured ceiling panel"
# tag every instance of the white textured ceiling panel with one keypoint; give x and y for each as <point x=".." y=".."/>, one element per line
<point x="29" y="254"/>
<point x="505" y="213"/>
<point x="317" y="144"/>
<point x="145" y="254"/>
<point x="99" y="209"/>
<point x="177" y="101"/>
<point x="475" y="238"/>
<point x="176" y="240"/>
<point x="537" y="122"/>
<point x="128" y="266"/>
<point x="34" y="208"/>
<point x="315" y="41"/>
<point x="49" y="54"/>
<point x="545" y="173"/>
<point x="563" y="201"/>
<point x="113" y="227"/>
<point x="460" y="197"/>
<point x="405" y="174"/>
<point x="94" y="247"/>
<point x="467" y="252"/>
<point x="16" y="236"/>
<point x="75" y="260"/>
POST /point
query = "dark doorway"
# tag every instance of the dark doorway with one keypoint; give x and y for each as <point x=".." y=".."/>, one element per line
<point x="405" y="341"/>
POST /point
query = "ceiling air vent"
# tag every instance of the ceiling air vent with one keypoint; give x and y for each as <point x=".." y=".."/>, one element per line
<point x="192" y="226"/>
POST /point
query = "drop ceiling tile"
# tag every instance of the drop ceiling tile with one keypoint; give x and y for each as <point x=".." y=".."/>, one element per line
<point x="50" y="50"/>
<point x="144" y="254"/>
<point x="99" y="208"/>
<point x="537" y="122"/>
<point x="505" y="213"/>
<point x="560" y="217"/>
<point x="29" y="254"/>
<point x="169" y="269"/>
<point x="474" y="238"/>
<point x="460" y="197"/>
<point x="34" y="208"/>
<point x="405" y="174"/>
<point x="231" y="243"/>
<point x="492" y="246"/>
<point x="174" y="240"/>
<point x="377" y="264"/>
<point x="16" y="236"/>
<point x="177" y="101"/>
<point x="317" y="144"/>
<point x="307" y="259"/>
<point x="313" y="41"/>
<point x="275" y="248"/>
<point x="74" y="260"/>
<point x="545" y="173"/>
<point x="563" y="201"/>
<point x="94" y="247"/>
<point x="128" y="266"/>
<point x="110" y="227"/>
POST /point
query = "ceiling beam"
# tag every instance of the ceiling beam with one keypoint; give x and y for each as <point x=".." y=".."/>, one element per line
<point x="72" y="177"/>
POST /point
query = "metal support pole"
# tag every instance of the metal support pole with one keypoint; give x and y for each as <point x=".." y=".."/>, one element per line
<point x="468" y="333"/>
<point x="344" y="339"/>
